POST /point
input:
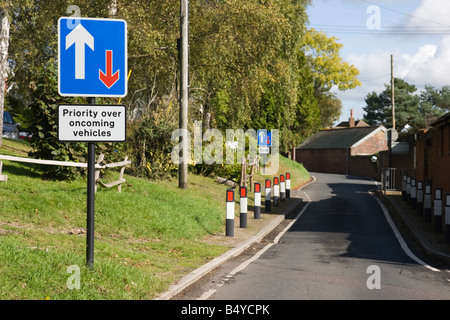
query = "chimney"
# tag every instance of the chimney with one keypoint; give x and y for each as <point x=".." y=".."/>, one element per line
<point x="351" y="120"/>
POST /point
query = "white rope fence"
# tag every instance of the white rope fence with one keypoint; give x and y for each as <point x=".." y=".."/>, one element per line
<point x="98" y="166"/>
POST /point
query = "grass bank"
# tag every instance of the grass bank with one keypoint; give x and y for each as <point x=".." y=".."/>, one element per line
<point x="146" y="237"/>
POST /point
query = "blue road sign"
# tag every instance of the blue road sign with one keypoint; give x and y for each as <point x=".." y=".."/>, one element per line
<point x="264" y="138"/>
<point x="92" y="57"/>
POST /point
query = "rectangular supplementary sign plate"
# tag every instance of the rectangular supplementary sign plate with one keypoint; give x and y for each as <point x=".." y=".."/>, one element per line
<point x="91" y="123"/>
<point x="92" y="57"/>
<point x="264" y="150"/>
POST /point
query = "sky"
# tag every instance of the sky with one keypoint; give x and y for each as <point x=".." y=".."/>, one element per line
<point x="415" y="32"/>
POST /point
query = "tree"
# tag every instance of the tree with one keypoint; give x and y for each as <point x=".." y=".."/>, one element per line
<point x="377" y="108"/>
<point x="4" y="41"/>
<point x="249" y="63"/>
<point x="330" y="70"/>
<point x="242" y="50"/>
<point x="328" y="66"/>
<point x="412" y="111"/>
<point x="307" y="112"/>
<point x="330" y="108"/>
<point x="433" y="103"/>
<point x="438" y="98"/>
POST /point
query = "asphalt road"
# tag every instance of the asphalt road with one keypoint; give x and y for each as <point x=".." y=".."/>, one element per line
<point x="341" y="247"/>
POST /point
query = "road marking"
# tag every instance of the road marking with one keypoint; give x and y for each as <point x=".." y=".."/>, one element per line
<point x="207" y="294"/>
<point x="401" y="240"/>
<point x="243" y="265"/>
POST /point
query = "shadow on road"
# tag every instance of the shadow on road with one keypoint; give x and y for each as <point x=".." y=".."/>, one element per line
<point x="350" y="222"/>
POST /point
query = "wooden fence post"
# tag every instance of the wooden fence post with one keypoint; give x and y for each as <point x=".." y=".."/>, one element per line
<point x="2" y="177"/>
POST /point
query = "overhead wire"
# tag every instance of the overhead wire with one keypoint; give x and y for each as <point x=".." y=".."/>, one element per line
<point x="437" y="29"/>
<point x="406" y="14"/>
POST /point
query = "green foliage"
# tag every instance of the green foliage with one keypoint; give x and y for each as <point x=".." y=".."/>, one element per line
<point x="308" y="113"/>
<point x="241" y="49"/>
<point x="150" y="147"/>
<point x="253" y="64"/>
<point x="43" y="127"/>
<point x="329" y="68"/>
<point x="222" y="102"/>
<point x="412" y="111"/>
<point x="224" y="170"/>
<point x="44" y="142"/>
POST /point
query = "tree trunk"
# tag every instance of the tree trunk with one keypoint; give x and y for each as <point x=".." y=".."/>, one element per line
<point x="4" y="40"/>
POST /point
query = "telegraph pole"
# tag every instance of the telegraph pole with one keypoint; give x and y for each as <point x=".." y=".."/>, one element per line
<point x="392" y="92"/>
<point x="184" y="92"/>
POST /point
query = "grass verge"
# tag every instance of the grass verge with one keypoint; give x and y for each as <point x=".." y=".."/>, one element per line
<point x="146" y="237"/>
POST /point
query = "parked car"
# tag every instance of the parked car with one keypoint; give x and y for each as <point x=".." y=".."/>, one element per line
<point x="24" y="135"/>
<point x="10" y="127"/>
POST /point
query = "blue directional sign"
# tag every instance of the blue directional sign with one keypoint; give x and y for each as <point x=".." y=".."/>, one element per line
<point x="264" y="138"/>
<point x="92" y="57"/>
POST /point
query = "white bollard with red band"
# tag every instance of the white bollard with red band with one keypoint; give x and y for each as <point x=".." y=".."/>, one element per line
<point x="282" y="188"/>
<point x="257" y="208"/>
<point x="288" y="185"/>
<point x="243" y="207"/>
<point x="276" y="191"/>
<point x="230" y="213"/>
<point x="268" y="195"/>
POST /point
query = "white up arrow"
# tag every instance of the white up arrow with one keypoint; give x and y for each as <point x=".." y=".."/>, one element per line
<point x="262" y="137"/>
<point x="80" y="36"/>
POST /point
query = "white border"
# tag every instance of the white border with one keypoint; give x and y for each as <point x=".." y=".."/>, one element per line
<point x="126" y="60"/>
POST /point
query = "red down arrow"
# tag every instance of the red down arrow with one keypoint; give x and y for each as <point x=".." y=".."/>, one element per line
<point x="109" y="79"/>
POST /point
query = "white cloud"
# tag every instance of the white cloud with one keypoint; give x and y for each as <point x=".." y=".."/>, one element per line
<point x="416" y="32"/>
<point x="430" y="14"/>
<point x="429" y="64"/>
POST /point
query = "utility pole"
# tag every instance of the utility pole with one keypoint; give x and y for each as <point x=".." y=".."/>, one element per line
<point x="184" y="92"/>
<point x="392" y="92"/>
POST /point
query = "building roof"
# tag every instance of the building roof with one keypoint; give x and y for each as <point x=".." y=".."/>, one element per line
<point x="444" y="118"/>
<point x="341" y="138"/>
<point x="358" y="123"/>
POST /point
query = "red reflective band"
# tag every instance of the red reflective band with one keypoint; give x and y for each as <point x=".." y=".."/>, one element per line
<point x="230" y="195"/>
<point x="268" y="183"/>
<point x="275" y="180"/>
<point x="282" y="178"/>
<point x="243" y="191"/>
<point x="288" y="175"/>
<point x="257" y="187"/>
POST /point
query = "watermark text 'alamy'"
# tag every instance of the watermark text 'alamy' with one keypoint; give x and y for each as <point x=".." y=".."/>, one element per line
<point x="213" y="152"/>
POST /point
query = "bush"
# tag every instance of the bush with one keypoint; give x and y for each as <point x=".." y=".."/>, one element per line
<point x="43" y="127"/>
<point x="150" y="146"/>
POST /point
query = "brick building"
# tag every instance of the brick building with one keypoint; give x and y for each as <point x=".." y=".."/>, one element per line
<point x="438" y="154"/>
<point x="428" y="157"/>
<point x="344" y="149"/>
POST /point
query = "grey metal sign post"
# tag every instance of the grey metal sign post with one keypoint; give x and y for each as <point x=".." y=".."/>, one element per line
<point x="92" y="62"/>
